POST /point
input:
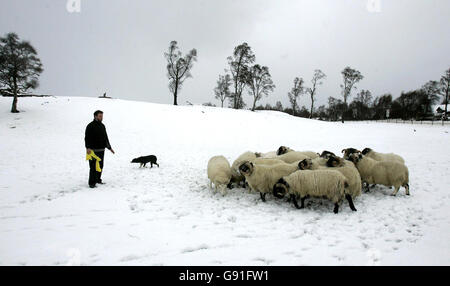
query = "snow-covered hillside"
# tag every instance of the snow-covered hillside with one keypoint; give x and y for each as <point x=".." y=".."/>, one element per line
<point x="168" y="216"/>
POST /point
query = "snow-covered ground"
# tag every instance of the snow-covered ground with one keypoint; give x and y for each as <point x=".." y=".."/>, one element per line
<point x="168" y="216"/>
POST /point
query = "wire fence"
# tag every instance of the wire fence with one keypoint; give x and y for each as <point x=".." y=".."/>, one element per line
<point x="413" y="122"/>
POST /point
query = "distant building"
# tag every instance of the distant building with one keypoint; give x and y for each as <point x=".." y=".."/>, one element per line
<point x="439" y="110"/>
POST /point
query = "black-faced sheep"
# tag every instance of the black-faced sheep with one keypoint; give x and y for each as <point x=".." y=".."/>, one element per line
<point x="385" y="173"/>
<point x="350" y="172"/>
<point x="318" y="183"/>
<point x="348" y="151"/>
<point x="313" y="164"/>
<point x="261" y="178"/>
<point x="237" y="177"/>
<point x="284" y="150"/>
<point x="326" y="154"/>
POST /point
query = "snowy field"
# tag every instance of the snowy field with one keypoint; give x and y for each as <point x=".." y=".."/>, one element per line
<point x="168" y="215"/>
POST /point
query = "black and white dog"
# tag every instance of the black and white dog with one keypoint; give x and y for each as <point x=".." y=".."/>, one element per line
<point x="143" y="160"/>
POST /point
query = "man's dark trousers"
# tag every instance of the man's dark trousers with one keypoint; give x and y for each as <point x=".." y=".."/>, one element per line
<point x="94" y="176"/>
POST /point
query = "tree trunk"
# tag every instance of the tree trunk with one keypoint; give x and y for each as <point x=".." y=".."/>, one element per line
<point x="254" y="104"/>
<point x="235" y="95"/>
<point x="446" y="103"/>
<point x="445" y="112"/>
<point x="14" y="103"/>
<point x="344" y="109"/>
<point x="175" y="94"/>
<point x="222" y="102"/>
<point x="312" y="107"/>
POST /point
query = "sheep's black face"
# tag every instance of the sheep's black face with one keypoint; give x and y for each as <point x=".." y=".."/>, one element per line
<point x="366" y="150"/>
<point x="282" y="150"/>
<point x="134" y="160"/>
<point x="246" y="168"/>
<point x="347" y="152"/>
<point x="333" y="161"/>
<point x="326" y="154"/>
<point x="304" y="164"/>
<point x="355" y="157"/>
<point x="280" y="188"/>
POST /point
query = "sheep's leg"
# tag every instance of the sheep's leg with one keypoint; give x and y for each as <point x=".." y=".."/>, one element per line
<point x="263" y="196"/>
<point x="157" y="164"/>
<point x="407" y="189"/>
<point x="295" y="201"/>
<point x="302" y="202"/>
<point x="230" y="186"/>
<point x="151" y="165"/>
<point x="223" y="190"/>
<point x="350" y="202"/>
<point x="140" y="166"/>
<point x="395" y="191"/>
<point x="145" y="164"/>
<point x="336" y="208"/>
<point x="367" y="187"/>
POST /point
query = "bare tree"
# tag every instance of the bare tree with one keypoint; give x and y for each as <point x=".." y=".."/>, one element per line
<point x="365" y="97"/>
<point x="278" y="106"/>
<point x="316" y="81"/>
<point x="350" y="77"/>
<point x="431" y="91"/>
<point x="259" y="82"/>
<point x="239" y="67"/>
<point x="178" y="68"/>
<point x="222" y="90"/>
<point x="361" y="104"/>
<point x="444" y="89"/>
<point x="295" y="93"/>
<point x="19" y="67"/>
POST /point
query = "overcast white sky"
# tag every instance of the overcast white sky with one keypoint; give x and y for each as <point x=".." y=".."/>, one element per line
<point x="117" y="46"/>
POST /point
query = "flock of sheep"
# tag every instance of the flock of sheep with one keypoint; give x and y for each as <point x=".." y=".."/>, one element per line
<point x="303" y="174"/>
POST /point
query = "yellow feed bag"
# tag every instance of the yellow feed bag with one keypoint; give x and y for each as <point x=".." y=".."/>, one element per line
<point x="96" y="158"/>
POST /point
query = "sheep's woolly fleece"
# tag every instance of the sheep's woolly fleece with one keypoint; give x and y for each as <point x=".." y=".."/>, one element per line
<point x="219" y="172"/>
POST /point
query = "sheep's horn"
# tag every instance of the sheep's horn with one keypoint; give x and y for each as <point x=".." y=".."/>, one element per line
<point x="343" y="150"/>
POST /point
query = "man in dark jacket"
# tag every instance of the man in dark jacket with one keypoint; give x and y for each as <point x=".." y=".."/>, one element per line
<point x="96" y="140"/>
